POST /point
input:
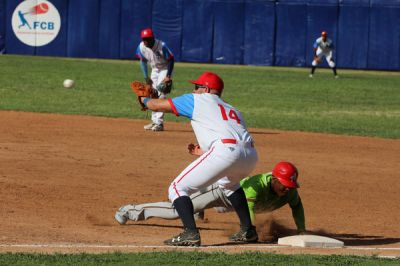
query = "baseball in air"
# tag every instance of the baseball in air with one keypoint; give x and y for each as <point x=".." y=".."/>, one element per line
<point x="68" y="83"/>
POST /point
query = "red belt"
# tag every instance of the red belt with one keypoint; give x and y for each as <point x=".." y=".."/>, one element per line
<point x="231" y="141"/>
<point x="234" y="141"/>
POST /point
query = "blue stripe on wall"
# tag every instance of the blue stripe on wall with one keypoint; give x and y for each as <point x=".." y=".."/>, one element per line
<point x="366" y="33"/>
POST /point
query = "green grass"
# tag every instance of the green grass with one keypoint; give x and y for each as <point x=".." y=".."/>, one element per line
<point x="365" y="103"/>
<point x="188" y="258"/>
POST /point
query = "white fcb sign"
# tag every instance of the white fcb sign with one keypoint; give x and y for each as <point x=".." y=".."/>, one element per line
<point x="36" y="22"/>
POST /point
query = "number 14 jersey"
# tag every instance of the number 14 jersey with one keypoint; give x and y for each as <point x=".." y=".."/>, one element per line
<point x="211" y="118"/>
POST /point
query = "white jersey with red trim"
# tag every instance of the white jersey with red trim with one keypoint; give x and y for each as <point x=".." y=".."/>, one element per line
<point x="323" y="46"/>
<point x="211" y="118"/>
<point x="158" y="56"/>
<point x="229" y="154"/>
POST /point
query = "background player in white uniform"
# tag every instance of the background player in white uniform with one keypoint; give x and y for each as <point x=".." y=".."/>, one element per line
<point x="323" y="47"/>
<point x="226" y="150"/>
<point x="161" y="60"/>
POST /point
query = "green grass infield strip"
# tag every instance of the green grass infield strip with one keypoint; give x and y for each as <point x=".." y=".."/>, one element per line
<point x="364" y="103"/>
<point x="188" y="258"/>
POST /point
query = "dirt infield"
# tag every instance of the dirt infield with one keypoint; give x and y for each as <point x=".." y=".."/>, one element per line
<point x="63" y="177"/>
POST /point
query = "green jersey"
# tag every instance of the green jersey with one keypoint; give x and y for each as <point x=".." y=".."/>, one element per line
<point x="261" y="197"/>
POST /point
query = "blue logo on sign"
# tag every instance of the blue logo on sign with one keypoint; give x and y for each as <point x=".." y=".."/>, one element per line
<point x="24" y="22"/>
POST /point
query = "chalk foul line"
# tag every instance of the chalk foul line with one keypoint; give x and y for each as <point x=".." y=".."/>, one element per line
<point x="82" y="245"/>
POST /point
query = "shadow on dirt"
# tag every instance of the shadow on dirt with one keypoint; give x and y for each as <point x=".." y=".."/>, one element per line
<point x="270" y="231"/>
<point x="361" y="240"/>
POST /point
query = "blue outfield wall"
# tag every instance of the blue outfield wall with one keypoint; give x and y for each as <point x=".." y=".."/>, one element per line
<point x="167" y="23"/>
<point x="384" y="35"/>
<point x="135" y="15"/>
<point x="2" y="26"/>
<point x="228" y="32"/>
<point x="353" y="25"/>
<point x="366" y="33"/>
<point x="259" y="28"/>
<point x="83" y="29"/>
<point x="109" y="29"/>
<point x="197" y="31"/>
<point x="291" y="32"/>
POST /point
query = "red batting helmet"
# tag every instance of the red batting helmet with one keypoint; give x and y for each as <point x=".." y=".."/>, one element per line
<point x="210" y="80"/>
<point x="147" y="33"/>
<point x="287" y="174"/>
<point x="324" y="33"/>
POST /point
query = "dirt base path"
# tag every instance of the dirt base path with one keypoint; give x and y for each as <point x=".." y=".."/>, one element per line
<point x="63" y="177"/>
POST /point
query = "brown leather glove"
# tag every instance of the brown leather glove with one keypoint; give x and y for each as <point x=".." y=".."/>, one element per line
<point x="143" y="90"/>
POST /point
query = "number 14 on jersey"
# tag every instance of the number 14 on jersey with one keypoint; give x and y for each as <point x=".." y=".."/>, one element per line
<point x="228" y="115"/>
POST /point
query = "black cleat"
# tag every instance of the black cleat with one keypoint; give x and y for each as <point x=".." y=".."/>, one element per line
<point x="245" y="235"/>
<point x="188" y="237"/>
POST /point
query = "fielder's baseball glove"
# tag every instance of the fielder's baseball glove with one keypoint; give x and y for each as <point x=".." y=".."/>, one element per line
<point x="143" y="90"/>
<point x="165" y="87"/>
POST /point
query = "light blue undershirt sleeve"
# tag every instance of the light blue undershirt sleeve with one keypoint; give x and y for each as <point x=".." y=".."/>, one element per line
<point x="143" y="62"/>
<point x="167" y="53"/>
<point x="184" y="105"/>
<point x="139" y="54"/>
<point x="143" y="66"/>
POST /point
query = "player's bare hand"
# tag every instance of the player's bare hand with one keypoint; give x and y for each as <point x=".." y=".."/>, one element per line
<point x="194" y="149"/>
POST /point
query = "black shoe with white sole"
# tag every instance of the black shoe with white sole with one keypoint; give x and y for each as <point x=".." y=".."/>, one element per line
<point x="188" y="237"/>
<point x="248" y="235"/>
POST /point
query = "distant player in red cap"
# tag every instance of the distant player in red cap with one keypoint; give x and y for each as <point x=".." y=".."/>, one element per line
<point x="161" y="60"/>
<point x="323" y="47"/>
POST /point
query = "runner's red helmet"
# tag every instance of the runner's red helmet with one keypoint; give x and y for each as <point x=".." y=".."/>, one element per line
<point x="324" y="34"/>
<point x="287" y="174"/>
<point x="210" y="80"/>
<point x="147" y="33"/>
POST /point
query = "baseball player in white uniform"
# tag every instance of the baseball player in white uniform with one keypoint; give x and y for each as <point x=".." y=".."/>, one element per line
<point x="226" y="155"/>
<point x="323" y="47"/>
<point x="161" y="60"/>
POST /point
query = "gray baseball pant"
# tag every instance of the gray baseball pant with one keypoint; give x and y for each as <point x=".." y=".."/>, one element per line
<point x="210" y="197"/>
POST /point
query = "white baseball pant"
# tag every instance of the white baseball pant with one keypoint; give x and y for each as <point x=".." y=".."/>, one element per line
<point x="157" y="76"/>
<point x="327" y="55"/>
<point x="226" y="163"/>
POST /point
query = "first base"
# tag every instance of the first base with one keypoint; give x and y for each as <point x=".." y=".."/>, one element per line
<point x="310" y="241"/>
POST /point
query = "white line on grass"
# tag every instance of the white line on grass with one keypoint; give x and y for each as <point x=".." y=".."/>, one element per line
<point x="389" y="257"/>
<point x="81" y="245"/>
<point x="368" y="248"/>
